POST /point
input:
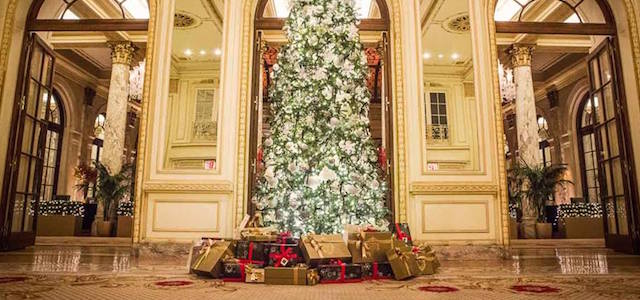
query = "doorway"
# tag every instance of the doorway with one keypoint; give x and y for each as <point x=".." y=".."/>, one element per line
<point x="574" y="44"/>
<point x="65" y="68"/>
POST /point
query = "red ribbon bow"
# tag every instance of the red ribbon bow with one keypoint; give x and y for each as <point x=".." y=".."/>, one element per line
<point x="286" y="254"/>
<point x="382" y="158"/>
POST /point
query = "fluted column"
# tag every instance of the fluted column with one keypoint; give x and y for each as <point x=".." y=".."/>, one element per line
<point x="116" y="121"/>
<point x="526" y="124"/>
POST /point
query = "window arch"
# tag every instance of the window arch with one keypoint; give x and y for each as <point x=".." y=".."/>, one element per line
<point x="52" y="147"/>
<point x="587" y="149"/>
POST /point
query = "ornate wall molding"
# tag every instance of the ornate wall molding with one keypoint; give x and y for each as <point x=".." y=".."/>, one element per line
<point x="443" y="188"/>
<point x="218" y="187"/>
<point x="7" y="33"/>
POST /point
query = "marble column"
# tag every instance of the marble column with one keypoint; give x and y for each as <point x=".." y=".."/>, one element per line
<point x="526" y="124"/>
<point x="116" y="120"/>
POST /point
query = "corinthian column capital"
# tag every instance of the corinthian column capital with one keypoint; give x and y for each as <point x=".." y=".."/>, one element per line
<point x="122" y="52"/>
<point x="521" y="55"/>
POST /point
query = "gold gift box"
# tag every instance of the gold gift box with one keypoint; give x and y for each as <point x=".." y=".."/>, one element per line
<point x="370" y="246"/>
<point x="403" y="264"/>
<point x="318" y="249"/>
<point x="286" y="276"/>
<point x="254" y="275"/>
<point x="207" y="261"/>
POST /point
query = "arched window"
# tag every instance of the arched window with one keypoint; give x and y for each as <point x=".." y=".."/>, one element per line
<point x="588" y="149"/>
<point x="545" y="146"/>
<point x="52" y="148"/>
<point x="564" y="11"/>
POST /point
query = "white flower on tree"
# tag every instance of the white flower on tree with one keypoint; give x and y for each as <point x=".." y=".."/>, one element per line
<point x="321" y="165"/>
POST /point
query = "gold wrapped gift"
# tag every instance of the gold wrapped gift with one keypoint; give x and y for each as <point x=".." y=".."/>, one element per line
<point x="254" y="232"/>
<point x="254" y="275"/>
<point x="370" y="246"/>
<point x="207" y="260"/>
<point x="426" y="254"/>
<point x="286" y="276"/>
<point x="318" y="249"/>
<point x="426" y="265"/>
<point x="403" y="264"/>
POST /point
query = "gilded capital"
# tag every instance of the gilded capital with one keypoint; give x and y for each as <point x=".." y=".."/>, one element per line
<point x="521" y="55"/>
<point x="122" y="52"/>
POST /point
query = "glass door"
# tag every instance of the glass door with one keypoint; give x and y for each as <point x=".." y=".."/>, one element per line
<point x="612" y="156"/>
<point x="28" y="139"/>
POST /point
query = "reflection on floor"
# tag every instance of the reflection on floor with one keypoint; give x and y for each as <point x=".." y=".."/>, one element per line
<point x="57" y="272"/>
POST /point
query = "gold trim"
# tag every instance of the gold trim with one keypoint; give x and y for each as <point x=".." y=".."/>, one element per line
<point x="141" y="168"/>
<point x="431" y="189"/>
<point x="487" y="227"/>
<point x="155" y="228"/>
<point x="7" y="32"/>
<point x="222" y="187"/>
<point x="521" y="55"/>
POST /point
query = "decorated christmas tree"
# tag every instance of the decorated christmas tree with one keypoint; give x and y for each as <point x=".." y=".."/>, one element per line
<point x="320" y="168"/>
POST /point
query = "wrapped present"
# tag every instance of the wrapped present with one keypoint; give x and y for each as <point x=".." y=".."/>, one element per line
<point x="401" y="232"/>
<point x="313" y="277"/>
<point x="404" y="264"/>
<point x="235" y="270"/>
<point x="339" y="272"/>
<point x="208" y="257"/>
<point x="370" y="246"/>
<point x="283" y="255"/>
<point x="286" y="276"/>
<point x="254" y="274"/>
<point x="427" y="261"/>
<point x="319" y="249"/>
<point x="251" y="252"/>
<point x="377" y="271"/>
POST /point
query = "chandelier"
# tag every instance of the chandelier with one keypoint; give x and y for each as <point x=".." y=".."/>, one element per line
<point x="507" y="85"/>
<point x="136" y="81"/>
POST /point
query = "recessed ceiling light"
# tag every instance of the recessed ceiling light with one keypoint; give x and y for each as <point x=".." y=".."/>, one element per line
<point x="188" y="52"/>
<point x="426" y="55"/>
<point x="217" y="51"/>
<point x="455" y="56"/>
<point x="440" y="56"/>
<point x="202" y="52"/>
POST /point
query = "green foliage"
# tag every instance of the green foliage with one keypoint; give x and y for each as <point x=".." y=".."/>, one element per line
<point x="111" y="188"/>
<point x="537" y="184"/>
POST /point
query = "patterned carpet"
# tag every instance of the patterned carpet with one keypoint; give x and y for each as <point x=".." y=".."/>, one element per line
<point x="438" y="287"/>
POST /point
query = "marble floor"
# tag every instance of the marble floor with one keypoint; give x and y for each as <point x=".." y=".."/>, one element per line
<point x="75" y="272"/>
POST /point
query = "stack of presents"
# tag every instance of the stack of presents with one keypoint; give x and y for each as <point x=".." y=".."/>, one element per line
<point x="263" y="255"/>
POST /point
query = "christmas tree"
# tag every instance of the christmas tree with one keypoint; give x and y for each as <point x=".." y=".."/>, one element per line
<point x="320" y="166"/>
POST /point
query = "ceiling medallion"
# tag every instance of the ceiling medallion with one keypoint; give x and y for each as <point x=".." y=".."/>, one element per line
<point x="184" y="20"/>
<point x="458" y="24"/>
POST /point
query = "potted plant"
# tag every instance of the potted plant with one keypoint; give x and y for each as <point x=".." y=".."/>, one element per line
<point x="86" y="176"/>
<point x="535" y="187"/>
<point x="110" y="189"/>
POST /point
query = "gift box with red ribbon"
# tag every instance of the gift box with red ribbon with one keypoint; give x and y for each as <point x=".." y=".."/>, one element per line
<point x="401" y="232"/>
<point x="282" y="255"/>
<point x="251" y="252"/>
<point x="340" y="272"/>
<point x="377" y="271"/>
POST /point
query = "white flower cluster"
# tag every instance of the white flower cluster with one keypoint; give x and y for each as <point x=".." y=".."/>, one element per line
<point x="321" y="168"/>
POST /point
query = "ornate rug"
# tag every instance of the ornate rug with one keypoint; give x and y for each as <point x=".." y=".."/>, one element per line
<point x="438" y="287"/>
